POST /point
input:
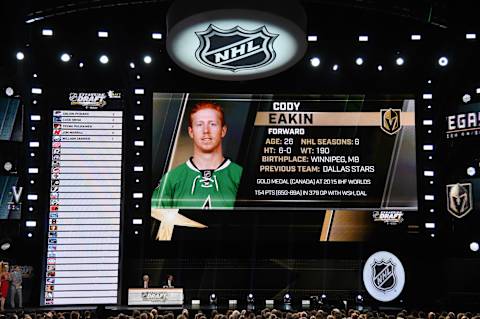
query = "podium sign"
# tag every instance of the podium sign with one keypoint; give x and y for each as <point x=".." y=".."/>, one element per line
<point x="155" y="296"/>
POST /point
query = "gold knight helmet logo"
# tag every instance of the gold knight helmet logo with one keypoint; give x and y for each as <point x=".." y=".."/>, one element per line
<point x="390" y="120"/>
<point x="459" y="199"/>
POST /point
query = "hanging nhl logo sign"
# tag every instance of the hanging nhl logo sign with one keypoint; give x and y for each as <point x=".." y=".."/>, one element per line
<point x="235" y="44"/>
<point x="384" y="276"/>
<point x="235" y="49"/>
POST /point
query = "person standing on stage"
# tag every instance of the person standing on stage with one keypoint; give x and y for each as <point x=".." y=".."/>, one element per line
<point x="169" y="281"/>
<point x="4" y="284"/>
<point x="16" y="287"/>
<point x="208" y="180"/>
<point x="146" y="280"/>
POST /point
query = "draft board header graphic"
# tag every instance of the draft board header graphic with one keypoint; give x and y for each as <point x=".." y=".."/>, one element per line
<point x="384" y="276"/>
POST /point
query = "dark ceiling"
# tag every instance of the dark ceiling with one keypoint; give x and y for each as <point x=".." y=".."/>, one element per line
<point x="442" y="12"/>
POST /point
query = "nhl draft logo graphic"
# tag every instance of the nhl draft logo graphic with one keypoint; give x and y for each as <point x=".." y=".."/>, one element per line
<point x="383" y="275"/>
<point x="459" y="199"/>
<point x="390" y="120"/>
<point x="235" y="49"/>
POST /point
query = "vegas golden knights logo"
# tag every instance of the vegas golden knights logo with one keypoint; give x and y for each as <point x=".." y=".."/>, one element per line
<point x="459" y="199"/>
<point x="390" y="120"/>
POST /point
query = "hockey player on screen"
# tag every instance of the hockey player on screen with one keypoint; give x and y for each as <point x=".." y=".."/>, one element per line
<point x="207" y="180"/>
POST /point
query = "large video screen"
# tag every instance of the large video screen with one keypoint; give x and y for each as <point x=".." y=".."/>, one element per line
<point x="11" y="131"/>
<point x="276" y="152"/>
<point x="11" y="120"/>
<point x="82" y="251"/>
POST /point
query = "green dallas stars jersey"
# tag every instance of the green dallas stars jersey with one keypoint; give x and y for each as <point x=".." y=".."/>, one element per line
<point x="188" y="187"/>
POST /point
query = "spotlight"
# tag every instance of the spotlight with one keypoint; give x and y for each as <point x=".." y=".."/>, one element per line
<point x="335" y="67"/>
<point x="104" y="59"/>
<point x="471" y="171"/>
<point x="132" y="65"/>
<point x="399" y="61"/>
<point x="380" y="68"/>
<point x="80" y="65"/>
<point x="359" y="299"/>
<point x="250" y="299"/>
<point x="213" y="299"/>
<point x="474" y="246"/>
<point x="7" y="166"/>
<point x="359" y="61"/>
<point x="443" y="61"/>
<point x="20" y="56"/>
<point x="287" y="299"/>
<point x="65" y="57"/>
<point x="29" y="235"/>
<point x="9" y="91"/>
<point x="315" y="62"/>
<point x="466" y="98"/>
<point x="5" y="244"/>
<point x="147" y="59"/>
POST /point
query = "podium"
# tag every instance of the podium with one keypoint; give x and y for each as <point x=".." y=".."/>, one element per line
<point x="155" y="296"/>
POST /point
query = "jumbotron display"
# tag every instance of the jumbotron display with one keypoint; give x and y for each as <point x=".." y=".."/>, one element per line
<point x="244" y="151"/>
<point x="83" y="241"/>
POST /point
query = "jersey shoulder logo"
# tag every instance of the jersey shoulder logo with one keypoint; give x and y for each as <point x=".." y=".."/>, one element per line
<point x="235" y="49"/>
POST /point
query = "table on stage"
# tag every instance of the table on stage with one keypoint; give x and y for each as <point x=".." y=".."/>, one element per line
<point x="155" y="296"/>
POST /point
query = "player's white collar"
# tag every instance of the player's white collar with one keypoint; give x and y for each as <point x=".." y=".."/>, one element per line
<point x="223" y="166"/>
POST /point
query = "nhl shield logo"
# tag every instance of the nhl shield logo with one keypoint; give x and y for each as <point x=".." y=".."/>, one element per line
<point x="459" y="199"/>
<point x="235" y="49"/>
<point x="390" y="120"/>
<point x="383" y="275"/>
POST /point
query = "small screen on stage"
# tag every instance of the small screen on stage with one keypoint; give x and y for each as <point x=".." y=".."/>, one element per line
<point x="276" y="152"/>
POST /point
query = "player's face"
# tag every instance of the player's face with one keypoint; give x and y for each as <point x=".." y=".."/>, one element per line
<point x="207" y="131"/>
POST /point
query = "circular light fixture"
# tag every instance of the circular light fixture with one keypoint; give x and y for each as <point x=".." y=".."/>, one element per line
<point x="335" y="67"/>
<point x="315" y="62"/>
<point x="400" y="61"/>
<point x="104" y="59"/>
<point x="147" y="59"/>
<point x="359" y="61"/>
<point x="6" y="245"/>
<point x="474" y="246"/>
<point x="380" y="68"/>
<point x="9" y="91"/>
<point x="8" y="166"/>
<point x="29" y="235"/>
<point x="132" y="65"/>
<point x="471" y="171"/>
<point x="466" y="98"/>
<point x="81" y="65"/>
<point x="65" y="57"/>
<point x="20" y="56"/>
<point x="443" y="61"/>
